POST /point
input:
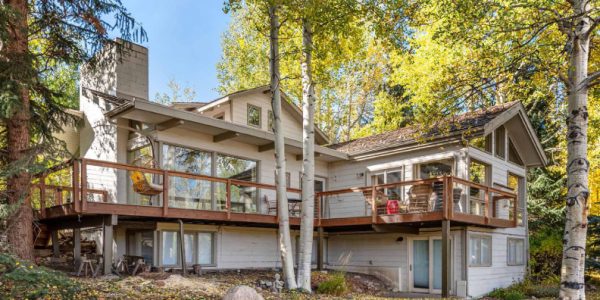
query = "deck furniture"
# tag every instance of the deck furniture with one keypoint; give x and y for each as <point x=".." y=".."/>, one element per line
<point x="421" y="198"/>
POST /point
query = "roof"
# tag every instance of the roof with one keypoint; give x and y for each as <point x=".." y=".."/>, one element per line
<point x="187" y="106"/>
<point x="471" y="121"/>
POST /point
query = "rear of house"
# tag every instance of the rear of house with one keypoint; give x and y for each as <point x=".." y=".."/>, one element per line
<point x="193" y="184"/>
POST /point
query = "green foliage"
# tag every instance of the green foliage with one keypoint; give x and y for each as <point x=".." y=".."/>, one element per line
<point x="23" y="280"/>
<point x="547" y="288"/>
<point x="545" y="253"/>
<point x="178" y="94"/>
<point x="336" y="285"/>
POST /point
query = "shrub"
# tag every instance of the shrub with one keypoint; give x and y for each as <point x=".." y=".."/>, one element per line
<point x="24" y="280"/>
<point x="509" y="293"/>
<point x="336" y="285"/>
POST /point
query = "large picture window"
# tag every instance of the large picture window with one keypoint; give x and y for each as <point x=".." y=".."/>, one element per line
<point x="480" y="251"/>
<point x="243" y="198"/>
<point x="186" y="192"/>
<point x="199" y="248"/>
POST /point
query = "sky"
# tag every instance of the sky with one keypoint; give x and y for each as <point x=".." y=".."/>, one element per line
<point x="184" y="42"/>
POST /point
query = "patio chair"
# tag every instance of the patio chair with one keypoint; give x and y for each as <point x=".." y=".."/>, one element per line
<point x="271" y="206"/>
<point x="141" y="185"/>
<point x="421" y="198"/>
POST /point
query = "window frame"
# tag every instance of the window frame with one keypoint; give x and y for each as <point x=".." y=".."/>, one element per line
<point x="194" y="248"/>
<point x="508" y="257"/>
<point x="252" y="106"/>
<point x="481" y="237"/>
<point x="504" y="143"/>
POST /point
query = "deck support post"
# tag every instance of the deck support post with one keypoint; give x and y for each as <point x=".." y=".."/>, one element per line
<point x="182" y="248"/>
<point x="107" y="243"/>
<point x="76" y="248"/>
<point x="55" y="246"/>
<point x="320" y="249"/>
<point x="446" y="258"/>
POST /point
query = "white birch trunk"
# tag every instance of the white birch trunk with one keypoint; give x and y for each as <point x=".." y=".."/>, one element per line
<point x="308" y="161"/>
<point x="573" y="260"/>
<point x="285" y="241"/>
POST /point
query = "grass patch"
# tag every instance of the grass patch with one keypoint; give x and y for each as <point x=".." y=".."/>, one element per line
<point x="335" y="285"/>
<point x="24" y="280"/>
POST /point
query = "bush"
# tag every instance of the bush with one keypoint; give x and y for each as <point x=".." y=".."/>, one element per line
<point x="336" y="285"/>
<point x="507" y="294"/>
<point x="24" y="280"/>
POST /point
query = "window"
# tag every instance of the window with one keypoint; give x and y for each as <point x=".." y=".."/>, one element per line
<point x="169" y="248"/>
<point x="480" y="251"/>
<point x="243" y="198"/>
<point x="271" y="121"/>
<point x="435" y="169"/>
<point x="254" y="115"/>
<point x="390" y="176"/>
<point x="141" y="156"/>
<point x="517" y="183"/>
<point x="500" y="139"/>
<point x="482" y="143"/>
<point x="186" y="192"/>
<point x="199" y="248"/>
<point x="513" y="155"/>
<point x="478" y="173"/>
<point x="515" y="252"/>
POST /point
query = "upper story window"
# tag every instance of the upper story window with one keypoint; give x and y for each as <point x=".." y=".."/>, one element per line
<point x="254" y="115"/>
<point x="500" y="141"/>
<point x="483" y="143"/>
<point x="435" y="169"/>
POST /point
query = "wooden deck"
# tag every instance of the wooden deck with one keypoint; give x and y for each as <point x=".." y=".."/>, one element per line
<point x="415" y="203"/>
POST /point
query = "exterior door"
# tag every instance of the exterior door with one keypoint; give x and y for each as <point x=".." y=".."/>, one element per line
<point x="425" y="265"/>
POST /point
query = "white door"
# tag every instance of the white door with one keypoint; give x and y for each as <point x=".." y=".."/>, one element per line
<point x="425" y="264"/>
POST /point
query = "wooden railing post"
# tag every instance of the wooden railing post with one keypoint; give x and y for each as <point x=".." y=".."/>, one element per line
<point x="58" y="196"/>
<point x="445" y="197"/>
<point x="228" y="198"/>
<point x="516" y="211"/>
<point x="165" y="193"/>
<point x="450" y="188"/>
<point x="75" y="183"/>
<point x="43" y="196"/>
<point x="486" y="199"/>
<point x="83" y="185"/>
<point x="373" y="205"/>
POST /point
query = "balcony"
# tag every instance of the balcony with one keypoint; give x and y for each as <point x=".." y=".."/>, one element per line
<point x="92" y="187"/>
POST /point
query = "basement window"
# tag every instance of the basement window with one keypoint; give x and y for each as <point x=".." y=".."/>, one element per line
<point x="516" y="252"/>
<point x="480" y="251"/>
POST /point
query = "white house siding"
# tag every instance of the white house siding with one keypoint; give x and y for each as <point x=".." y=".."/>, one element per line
<point x="348" y="174"/>
<point x="292" y="128"/>
<point x="381" y="255"/>
<point x="482" y="280"/>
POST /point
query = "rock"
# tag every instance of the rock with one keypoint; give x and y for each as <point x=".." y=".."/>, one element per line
<point x="242" y="292"/>
<point x="160" y="283"/>
<point x="268" y="284"/>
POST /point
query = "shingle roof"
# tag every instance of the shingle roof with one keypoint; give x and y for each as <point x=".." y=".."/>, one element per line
<point x="454" y="124"/>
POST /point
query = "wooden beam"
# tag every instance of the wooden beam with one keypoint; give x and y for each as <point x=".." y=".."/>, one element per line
<point x="182" y="248"/>
<point x="395" y="228"/>
<point x="55" y="248"/>
<point x="266" y="147"/>
<point x="84" y="221"/>
<point x="107" y="245"/>
<point x="76" y="248"/>
<point x="446" y="257"/>
<point x="225" y="136"/>
<point x="168" y="124"/>
<point x="320" y="248"/>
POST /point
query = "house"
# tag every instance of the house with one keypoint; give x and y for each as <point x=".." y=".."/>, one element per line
<point x="441" y="212"/>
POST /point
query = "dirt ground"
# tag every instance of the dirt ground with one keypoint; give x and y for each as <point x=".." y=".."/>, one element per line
<point x="215" y="285"/>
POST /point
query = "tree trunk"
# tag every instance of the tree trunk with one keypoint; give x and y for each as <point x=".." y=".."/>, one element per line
<point x="285" y="241"/>
<point x="573" y="260"/>
<point x="308" y="161"/>
<point x="19" y="229"/>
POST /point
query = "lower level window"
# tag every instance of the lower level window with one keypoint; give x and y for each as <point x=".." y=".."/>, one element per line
<point x="516" y="252"/>
<point x="199" y="248"/>
<point x="480" y="251"/>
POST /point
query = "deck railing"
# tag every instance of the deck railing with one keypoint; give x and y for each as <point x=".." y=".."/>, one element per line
<point x="81" y="184"/>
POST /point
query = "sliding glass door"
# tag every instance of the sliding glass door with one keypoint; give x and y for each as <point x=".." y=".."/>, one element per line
<point x="425" y="264"/>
